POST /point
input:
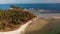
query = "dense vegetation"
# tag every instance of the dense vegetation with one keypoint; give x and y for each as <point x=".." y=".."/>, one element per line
<point x="12" y="19"/>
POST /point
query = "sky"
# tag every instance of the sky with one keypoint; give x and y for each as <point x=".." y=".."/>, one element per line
<point x="28" y="1"/>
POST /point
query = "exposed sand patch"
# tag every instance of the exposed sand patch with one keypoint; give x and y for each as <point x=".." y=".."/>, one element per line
<point x="44" y="27"/>
<point x="36" y="25"/>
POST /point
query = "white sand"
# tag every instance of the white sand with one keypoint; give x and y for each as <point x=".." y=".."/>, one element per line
<point x="18" y="31"/>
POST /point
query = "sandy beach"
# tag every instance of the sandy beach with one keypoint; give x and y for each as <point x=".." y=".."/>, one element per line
<point x="43" y="26"/>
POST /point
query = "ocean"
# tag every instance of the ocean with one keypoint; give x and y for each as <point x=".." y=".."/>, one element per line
<point x="41" y="6"/>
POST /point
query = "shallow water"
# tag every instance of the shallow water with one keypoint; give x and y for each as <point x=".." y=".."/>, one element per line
<point x="49" y="15"/>
<point x="45" y="14"/>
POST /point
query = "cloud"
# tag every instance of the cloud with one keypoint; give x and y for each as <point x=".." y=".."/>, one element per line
<point x="28" y="1"/>
<point x="6" y="1"/>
